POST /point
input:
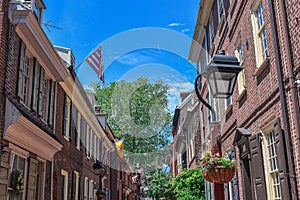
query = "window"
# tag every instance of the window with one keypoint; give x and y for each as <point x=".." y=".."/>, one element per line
<point x="272" y="162"/>
<point x="91" y="190"/>
<point x="208" y="114"/>
<point x="25" y="73"/>
<point x="78" y="132"/>
<point x="67" y="113"/>
<point x="95" y="147"/>
<point x="64" y="185"/>
<point x="220" y="9"/>
<point x="211" y="30"/>
<point x="203" y="127"/>
<point x="82" y="130"/>
<point x="71" y="121"/>
<point x="238" y="50"/>
<point x="91" y="143"/>
<point x="190" y="140"/>
<point x="259" y="31"/>
<point x="209" y="190"/>
<point x="51" y="102"/>
<point x="217" y="109"/>
<point x="228" y="102"/>
<point x="43" y="94"/>
<point x="88" y="140"/>
<point x="75" y="185"/>
<point x="86" y="188"/>
<point x="17" y="164"/>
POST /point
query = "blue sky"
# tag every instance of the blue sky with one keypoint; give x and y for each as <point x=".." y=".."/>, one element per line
<point x="139" y="38"/>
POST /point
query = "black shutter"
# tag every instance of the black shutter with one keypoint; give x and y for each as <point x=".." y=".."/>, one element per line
<point x="71" y="120"/>
<point x="73" y="185"/>
<point x="281" y="160"/>
<point x="257" y="168"/>
<point x="235" y="179"/>
<point x="79" y="189"/>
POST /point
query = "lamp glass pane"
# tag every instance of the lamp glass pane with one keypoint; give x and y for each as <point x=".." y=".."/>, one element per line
<point x="97" y="171"/>
<point x="221" y="83"/>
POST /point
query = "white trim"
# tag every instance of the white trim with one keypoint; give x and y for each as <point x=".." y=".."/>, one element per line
<point x="36" y="40"/>
<point x="30" y="137"/>
<point x="65" y="174"/>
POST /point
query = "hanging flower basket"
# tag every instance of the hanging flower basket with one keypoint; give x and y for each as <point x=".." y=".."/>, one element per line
<point x="217" y="169"/>
<point x="100" y="194"/>
<point x="219" y="174"/>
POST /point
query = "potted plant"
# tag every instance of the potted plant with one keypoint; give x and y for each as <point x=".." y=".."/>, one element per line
<point x="218" y="169"/>
<point x="100" y="194"/>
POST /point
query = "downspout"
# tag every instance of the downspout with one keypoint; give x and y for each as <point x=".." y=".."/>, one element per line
<point x="291" y="175"/>
<point x="6" y="33"/>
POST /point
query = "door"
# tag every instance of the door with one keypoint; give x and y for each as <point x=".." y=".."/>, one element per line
<point x="32" y="179"/>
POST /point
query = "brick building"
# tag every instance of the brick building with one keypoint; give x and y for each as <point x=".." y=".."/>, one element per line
<point x="30" y="71"/>
<point x="259" y="124"/>
<point x="185" y="134"/>
<point x="83" y="137"/>
<point x="50" y="135"/>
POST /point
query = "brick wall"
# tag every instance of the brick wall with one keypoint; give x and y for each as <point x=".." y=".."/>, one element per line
<point x="3" y="57"/>
<point x="260" y="104"/>
<point x="76" y="159"/>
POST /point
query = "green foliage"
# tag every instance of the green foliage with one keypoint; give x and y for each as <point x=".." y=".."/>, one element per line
<point x="138" y="112"/>
<point x="160" y="185"/>
<point x="189" y="184"/>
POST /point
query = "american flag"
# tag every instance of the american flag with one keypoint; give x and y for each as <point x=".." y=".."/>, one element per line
<point x="95" y="61"/>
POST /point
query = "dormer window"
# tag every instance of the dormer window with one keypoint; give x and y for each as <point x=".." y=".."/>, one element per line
<point x="36" y="6"/>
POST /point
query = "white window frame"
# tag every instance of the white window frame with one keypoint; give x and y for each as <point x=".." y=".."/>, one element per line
<point x="67" y="119"/>
<point x="211" y="30"/>
<point x="25" y="76"/>
<point x="16" y="151"/>
<point x="76" y="184"/>
<point x="220" y="7"/>
<point x="269" y="173"/>
<point x="259" y="33"/>
<point x="91" y="189"/>
<point x="78" y="129"/>
<point x="87" y="147"/>
<point x="238" y="51"/>
<point x="65" y="174"/>
<point x="217" y="108"/>
<point x="86" y="188"/>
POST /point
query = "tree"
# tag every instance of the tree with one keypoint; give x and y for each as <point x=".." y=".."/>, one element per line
<point x="189" y="184"/>
<point x="138" y="112"/>
<point x="160" y="184"/>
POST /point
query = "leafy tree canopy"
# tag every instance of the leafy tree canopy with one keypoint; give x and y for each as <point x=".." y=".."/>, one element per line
<point x="138" y="112"/>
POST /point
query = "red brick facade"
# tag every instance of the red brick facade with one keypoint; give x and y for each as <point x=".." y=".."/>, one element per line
<point x="265" y="97"/>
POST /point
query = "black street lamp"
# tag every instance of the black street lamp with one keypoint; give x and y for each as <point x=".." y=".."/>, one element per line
<point x="221" y="74"/>
<point x="100" y="171"/>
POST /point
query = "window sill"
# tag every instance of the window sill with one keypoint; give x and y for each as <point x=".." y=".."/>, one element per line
<point x="262" y="67"/>
<point x="66" y="138"/>
<point x="228" y="109"/>
<point x="241" y="95"/>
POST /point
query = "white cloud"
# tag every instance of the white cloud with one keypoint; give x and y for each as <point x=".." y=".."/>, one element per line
<point x="173" y="24"/>
<point x="174" y="93"/>
<point x="185" y="30"/>
<point x="134" y="59"/>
